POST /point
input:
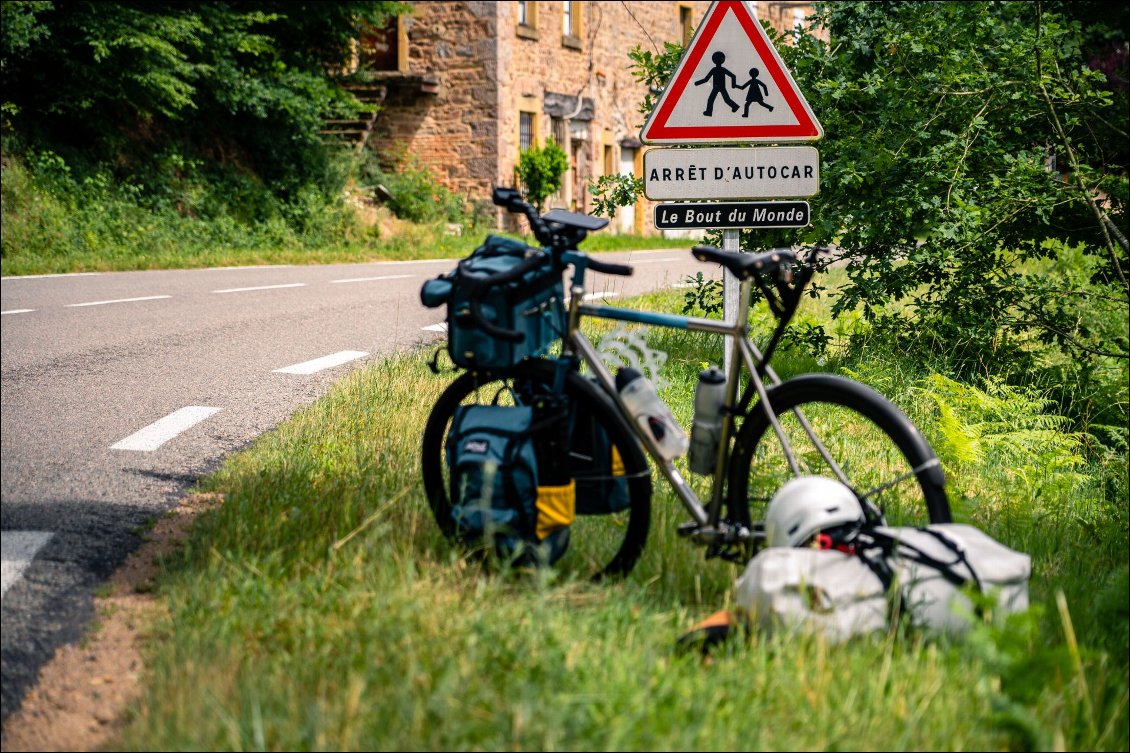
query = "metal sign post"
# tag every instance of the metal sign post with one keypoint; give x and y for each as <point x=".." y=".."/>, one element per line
<point x="731" y="241"/>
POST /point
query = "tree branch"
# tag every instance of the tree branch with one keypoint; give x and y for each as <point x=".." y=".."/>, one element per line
<point x="1105" y="224"/>
<point x="1074" y="341"/>
<point x="654" y="46"/>
<point x="965" y="152"/>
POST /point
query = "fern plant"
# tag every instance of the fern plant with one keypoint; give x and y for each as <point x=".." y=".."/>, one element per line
<point x="1010" y="428"/>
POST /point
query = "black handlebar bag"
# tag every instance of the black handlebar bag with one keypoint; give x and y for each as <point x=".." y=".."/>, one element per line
<point x="527" y="314"/>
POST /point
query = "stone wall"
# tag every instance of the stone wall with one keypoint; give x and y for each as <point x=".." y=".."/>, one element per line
<point x="783" y="15"/>
<point x="592" y="65"/>
<point x="455" y="130"/>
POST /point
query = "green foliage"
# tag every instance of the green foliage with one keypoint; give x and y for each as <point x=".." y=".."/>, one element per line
<point x="540" y="170"/>
<point x="942" y="122"/>
<point x="1013" y="428"/>
<point x="1112" y="610"/>
<point x="210" y="109"/>
<point x="605" y="241"/>
<point x="61" y="218"/>
<point x="411" y="191"/>
<point x="1031" y="669"/>
<point x="612" y="191"/>
<point x="1089" y="386"/>
<point x="935" y="173"/>
<point x="809" y="337"/>
<point x="703" y="297"/>
<point x="112" y="64"/>
<point x="654" y="70"/>
<point x="21" y="29"/>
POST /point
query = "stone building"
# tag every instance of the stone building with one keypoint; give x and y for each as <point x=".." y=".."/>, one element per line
<point x="468" y="85"/>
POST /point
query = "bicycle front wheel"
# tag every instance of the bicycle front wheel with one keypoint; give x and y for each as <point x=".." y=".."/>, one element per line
<point x="601" y="541"/>
<point x="873" y="448"/>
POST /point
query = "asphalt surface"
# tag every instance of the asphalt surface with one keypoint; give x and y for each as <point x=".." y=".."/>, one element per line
<point x="88" y="361"/>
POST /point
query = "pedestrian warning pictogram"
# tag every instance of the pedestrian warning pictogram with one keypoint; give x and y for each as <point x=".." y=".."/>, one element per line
<point x="731" y="85"/>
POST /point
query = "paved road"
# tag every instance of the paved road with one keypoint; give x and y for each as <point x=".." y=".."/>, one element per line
<point x="120" y="390"/>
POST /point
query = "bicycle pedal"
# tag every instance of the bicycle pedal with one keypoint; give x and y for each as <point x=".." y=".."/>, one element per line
<point x="690" y="528"/>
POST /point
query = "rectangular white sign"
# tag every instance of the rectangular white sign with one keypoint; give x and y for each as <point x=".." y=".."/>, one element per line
<point x="717" y="214"/>
<point x="766" y="172"/>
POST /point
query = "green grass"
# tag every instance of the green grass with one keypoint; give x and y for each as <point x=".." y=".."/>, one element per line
<point x="606" y="241"/>
<point x="319" y="608"/>
<point x="73" y="227"/>
<point x="153" y="247"/>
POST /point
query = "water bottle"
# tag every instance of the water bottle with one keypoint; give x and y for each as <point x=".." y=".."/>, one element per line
<point x="651" y="414"/>
<point x="706" y="431"/>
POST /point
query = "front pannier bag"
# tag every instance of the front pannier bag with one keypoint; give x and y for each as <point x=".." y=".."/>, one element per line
<point x="532" y="305"/>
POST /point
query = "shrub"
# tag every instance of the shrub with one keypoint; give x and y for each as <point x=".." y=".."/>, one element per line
<point x="540" y="171"/>
<point x="411" y="190"/>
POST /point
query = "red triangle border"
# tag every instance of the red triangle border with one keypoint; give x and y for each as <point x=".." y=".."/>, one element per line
<point x="657" y="130"/>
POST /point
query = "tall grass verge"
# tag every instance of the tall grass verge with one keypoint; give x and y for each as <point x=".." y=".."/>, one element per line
<point x="319" y="608"/>
<point x="56" y="221"/>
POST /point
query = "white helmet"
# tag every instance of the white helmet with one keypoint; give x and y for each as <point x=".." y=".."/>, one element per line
<point x="806" y="505"/>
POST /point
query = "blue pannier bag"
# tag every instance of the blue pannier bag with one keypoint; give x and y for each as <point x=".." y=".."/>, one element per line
<point x="532" y="305"/>
<point x="495" y="496"/>
<point x="602" y="484"/>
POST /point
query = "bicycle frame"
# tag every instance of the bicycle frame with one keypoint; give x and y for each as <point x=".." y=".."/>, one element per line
<point x="707" y="526"/>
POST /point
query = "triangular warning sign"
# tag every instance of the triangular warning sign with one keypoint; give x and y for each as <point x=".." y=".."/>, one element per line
<point x="731" y="85"/>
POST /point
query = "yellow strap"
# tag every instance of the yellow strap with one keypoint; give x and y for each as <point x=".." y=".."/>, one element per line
<point x="617" y="462"/>
<point x="557" y="507"/>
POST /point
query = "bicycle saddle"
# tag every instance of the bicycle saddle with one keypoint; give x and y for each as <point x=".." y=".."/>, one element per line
<point x="745" y="266"/>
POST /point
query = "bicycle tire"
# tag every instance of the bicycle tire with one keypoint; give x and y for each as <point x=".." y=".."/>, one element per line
<point x="865" y="426"/>
<point x="600" y="545"/>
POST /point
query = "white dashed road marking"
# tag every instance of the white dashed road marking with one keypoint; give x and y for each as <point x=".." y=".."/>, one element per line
<point x="325" y="362"/>
<point x="16" y="311"/>
<point x="373" y="279"/>
<point x="42" y="277"/>
<point x="422" y="261"/>
<point x="18" y="549"/>
<point x="262" y="287"/>
<point x="441" y="327"/>
<point x="156" y="434"/>
<point x="250" y="266"/>
<point x="119" y="300"/>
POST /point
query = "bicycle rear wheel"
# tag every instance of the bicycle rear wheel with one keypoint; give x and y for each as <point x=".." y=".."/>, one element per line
<point x="599" y="544"/>
<point x="882" y="455"/>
